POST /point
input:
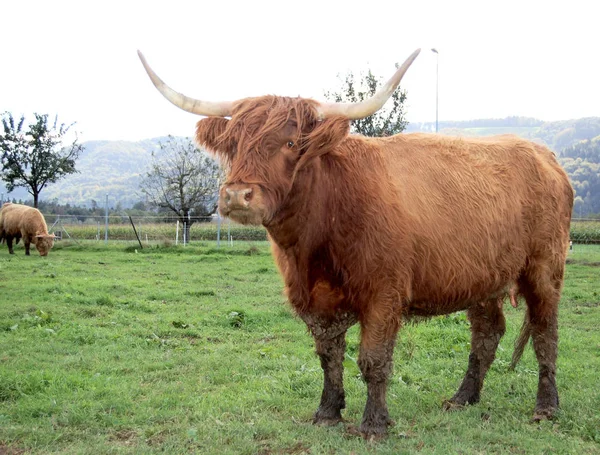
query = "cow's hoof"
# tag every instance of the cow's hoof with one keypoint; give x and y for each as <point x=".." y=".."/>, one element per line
<point x="327" y="421"/>
<point x="452" y="405"/>
<point x="543" y="414"/>
<point x="370" y="435"/>
<point x="372" y="431"/>
<point x="327" y="417"/>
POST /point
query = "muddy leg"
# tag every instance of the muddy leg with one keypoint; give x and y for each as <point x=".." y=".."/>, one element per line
<point x="331" y="353"/>
<point x="26" y="244"/>
<point x="487" y="327"/>
<point x="330" y="340"/>
<point x="542" y="305"/>
<point x="545" y="339"/>
<point x="378" y="338"/>
<point x="9" y="244"/>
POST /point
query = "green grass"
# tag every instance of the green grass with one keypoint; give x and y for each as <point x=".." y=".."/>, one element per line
<point x="105" y="350"/>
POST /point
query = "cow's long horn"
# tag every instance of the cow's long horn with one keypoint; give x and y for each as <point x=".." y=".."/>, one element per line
<point x="215" y="109"/>
<point x="355" y="111"/>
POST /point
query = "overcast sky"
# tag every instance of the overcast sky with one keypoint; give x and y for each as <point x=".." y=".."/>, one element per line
<point x="78" y="58"/>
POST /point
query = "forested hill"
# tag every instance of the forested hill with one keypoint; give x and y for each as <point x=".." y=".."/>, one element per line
<point x="556" y="135"/>
<point x="106" y="167"/>
<point x="114" y="167"/>
<point x="110" y="168"/>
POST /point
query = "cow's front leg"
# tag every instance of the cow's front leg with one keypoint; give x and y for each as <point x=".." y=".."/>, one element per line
<point x="378" y="338"/>
<point x="9" y="244"/>
<point x="330" y="340"/>
<point x="331" y="353"/>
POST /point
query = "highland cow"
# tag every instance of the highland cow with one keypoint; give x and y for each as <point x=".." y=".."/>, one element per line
<point x="375" y="230"/>
<point x="20" y="221"/>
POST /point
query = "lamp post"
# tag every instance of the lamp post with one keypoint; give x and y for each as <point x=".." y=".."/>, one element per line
<point x="437" y="78"/>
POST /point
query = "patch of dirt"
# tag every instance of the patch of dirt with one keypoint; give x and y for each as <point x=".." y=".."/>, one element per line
<point x="296" y="449"/>
<point x="192" y="340"/>
<point x="126" y="437"/>
<point x="9" y="450"/>
<point x="157" y="439"/>
<point x="252" y="251"/>
<point x="582" y="262"/>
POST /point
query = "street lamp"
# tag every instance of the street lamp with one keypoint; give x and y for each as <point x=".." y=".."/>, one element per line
<point x="437" y="78"/>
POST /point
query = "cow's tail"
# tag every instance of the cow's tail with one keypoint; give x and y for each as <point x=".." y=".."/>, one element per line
<point x="521" y="341"/>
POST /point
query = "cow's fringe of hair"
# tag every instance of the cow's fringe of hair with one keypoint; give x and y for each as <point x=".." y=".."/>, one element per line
<point x="262" y="117"/>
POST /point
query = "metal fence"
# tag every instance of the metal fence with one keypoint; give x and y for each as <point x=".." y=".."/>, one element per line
<point x="147" y="230"/>
<point x="167" y="230"/>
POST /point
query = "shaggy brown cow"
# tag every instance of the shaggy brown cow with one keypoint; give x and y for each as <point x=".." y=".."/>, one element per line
<point x="20" y="221"/>
<point x="374" y="230"/>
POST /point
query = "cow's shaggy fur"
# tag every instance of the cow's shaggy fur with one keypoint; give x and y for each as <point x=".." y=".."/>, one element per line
<point x="375" y="230"/>
<point x="20" y="221"/>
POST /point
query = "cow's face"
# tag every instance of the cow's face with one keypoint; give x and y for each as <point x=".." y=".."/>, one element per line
<point x="269" y="140"/>
<point x="263" y="146"/>
<point x="44" y="243"/>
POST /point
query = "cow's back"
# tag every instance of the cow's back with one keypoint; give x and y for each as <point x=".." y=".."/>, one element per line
<point x="18" y="219"/>
<point x="477" y="209"/>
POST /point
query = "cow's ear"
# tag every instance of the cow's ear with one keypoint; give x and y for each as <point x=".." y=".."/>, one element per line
<point x="209" y="134"/>
<point x="324" y="138"/>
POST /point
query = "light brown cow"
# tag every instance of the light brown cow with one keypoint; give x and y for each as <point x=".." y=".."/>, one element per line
<point x="374" y="230"/>
<point x="20" y="221"/>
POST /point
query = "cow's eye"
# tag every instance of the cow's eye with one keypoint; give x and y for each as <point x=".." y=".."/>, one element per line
<point x="290" y="144"/>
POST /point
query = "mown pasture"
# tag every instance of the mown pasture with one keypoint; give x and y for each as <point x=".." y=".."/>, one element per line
<point x="113" y="349"/>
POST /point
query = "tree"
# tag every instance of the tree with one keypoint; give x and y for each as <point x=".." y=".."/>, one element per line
<point x="385" y="122"/>
<point x="183" y="180"/>
<point x="34" y="158"/>
<point x="582" y="163"/>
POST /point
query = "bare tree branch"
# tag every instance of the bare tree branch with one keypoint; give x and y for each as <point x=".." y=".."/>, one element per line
<point x="183" y="179"/>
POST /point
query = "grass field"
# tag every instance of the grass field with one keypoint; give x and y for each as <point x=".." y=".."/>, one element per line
<point x="109" y="350"/>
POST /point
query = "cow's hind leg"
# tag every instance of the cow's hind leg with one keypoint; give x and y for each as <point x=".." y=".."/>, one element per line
<point x="330" y="341"/>
<point x="487" y="327"/>
<point x="542" y="293"/>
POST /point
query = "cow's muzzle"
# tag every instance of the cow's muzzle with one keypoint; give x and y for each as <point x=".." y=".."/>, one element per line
<point x="237" y="197"/>
<point x="242" y="203"/>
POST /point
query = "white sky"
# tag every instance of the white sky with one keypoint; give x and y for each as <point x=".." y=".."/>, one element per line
<point x="78" y="58"/>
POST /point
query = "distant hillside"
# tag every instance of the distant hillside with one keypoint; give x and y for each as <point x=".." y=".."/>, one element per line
<point x="114" y="167"/>
<point x="105" y="167"/>
<point x="556" y="135"/>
